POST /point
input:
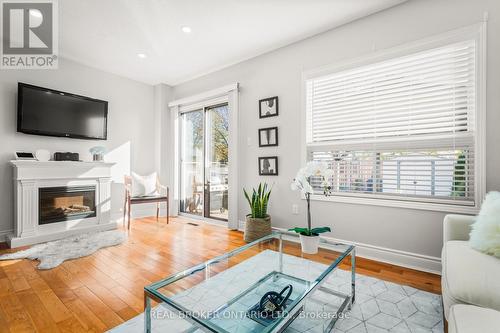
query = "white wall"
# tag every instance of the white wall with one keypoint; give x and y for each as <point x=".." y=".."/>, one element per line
<point x="163" y="150"/>
<point x="279" y="73"/>
<point x="131" y="135"/>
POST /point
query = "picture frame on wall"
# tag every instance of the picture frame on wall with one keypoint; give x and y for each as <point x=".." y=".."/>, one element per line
<point x="268" y="107"/>
<point x="268" y="166"/>
<point x="268" y="137"/>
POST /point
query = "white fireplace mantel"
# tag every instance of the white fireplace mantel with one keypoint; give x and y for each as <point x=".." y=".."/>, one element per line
<point x="30" y="176"/>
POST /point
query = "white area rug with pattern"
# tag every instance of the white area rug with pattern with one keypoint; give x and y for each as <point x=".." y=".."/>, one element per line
<point x="52" y="254"/>
<point x="380" y="306"/>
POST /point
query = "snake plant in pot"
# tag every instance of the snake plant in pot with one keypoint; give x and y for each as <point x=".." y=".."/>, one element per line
<point x="258" y="222"/>
<point x="318" y="171"/>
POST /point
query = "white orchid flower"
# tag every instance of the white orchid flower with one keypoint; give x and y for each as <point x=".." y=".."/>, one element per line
<point x="328" y="173"/>
<point x="315" y="168"/>
<point x="312" y="169"/>
<point x="307" y="188"/>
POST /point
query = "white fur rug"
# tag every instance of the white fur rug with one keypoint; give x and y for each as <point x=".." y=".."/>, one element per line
<point x="52" y="254"/>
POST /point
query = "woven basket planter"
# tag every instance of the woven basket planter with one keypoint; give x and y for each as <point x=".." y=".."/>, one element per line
<point x="256" y="228"/>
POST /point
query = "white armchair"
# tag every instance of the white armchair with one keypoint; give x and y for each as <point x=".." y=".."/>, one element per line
<point x="457" y="227"/>
<point x="468" y="276"/>
<point x="473" y="319"/>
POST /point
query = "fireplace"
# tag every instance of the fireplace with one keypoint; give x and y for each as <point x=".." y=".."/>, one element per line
<point x="77" y="195"/>
<point x="64" y="203"/>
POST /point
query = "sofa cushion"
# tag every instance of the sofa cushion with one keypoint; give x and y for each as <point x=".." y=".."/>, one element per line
<point x="469" y="277"/>
<point x="473" y="319"/>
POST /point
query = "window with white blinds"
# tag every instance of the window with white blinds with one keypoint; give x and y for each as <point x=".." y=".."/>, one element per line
<point x="402" y="129"/>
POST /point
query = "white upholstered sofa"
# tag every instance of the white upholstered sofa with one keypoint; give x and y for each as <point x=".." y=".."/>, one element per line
<point x="473" y="319"/>
<point x="470" y="281"/>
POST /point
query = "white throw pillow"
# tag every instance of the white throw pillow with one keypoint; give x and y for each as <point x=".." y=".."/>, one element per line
<point x="143" y="185"/>
<point x="485" y="234"/>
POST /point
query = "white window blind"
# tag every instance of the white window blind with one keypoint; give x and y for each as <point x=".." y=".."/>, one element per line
<point x="403" y="128"/>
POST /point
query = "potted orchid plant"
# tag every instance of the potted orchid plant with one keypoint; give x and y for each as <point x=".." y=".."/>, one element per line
<point x="309" y="237"/>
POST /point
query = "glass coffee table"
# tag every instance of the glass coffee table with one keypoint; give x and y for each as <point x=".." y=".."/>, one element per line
<point x="223" y="294"/>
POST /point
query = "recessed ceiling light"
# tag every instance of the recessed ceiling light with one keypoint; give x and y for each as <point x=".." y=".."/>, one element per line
<point x="186" y="29"/>
<point x="141" y="55"/>
<point x="35" y="13"/>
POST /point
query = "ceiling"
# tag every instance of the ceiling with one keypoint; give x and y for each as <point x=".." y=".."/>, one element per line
<point x="110" y="34"/>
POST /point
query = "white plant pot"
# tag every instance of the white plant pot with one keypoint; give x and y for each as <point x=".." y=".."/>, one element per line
<point x="309" y="244"/>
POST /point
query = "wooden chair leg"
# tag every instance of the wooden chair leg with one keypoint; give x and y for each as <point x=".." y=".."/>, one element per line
<point x="168" y="213"/>
<point x="129" y="214"/>
<point x="157" y="211"/>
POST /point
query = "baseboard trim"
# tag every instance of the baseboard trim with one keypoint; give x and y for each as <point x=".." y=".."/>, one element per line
<point x="411" y="260"/>
<point x="241" y="225"/>
<point x="4" y="235"/>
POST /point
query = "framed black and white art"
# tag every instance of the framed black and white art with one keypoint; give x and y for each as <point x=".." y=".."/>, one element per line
<point x="268" y="107"/>
<point x="268" y="166"/>
<point x="268" y="137"/>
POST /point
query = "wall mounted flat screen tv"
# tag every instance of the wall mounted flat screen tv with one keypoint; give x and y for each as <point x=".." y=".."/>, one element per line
<point x="43" y="111"/>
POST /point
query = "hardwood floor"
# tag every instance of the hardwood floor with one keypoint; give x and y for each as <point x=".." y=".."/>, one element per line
<point x="98" y="292"/>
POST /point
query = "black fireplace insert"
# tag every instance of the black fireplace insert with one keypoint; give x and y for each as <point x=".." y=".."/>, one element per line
<point x="64" y="203"/>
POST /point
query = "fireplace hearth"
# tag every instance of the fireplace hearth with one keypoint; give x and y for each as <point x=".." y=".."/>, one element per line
<point x="64" y="203"/>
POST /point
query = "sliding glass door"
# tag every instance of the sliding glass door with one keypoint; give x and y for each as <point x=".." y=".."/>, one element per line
<point x="192" y="162"/>
<point x="217" y="171"/>
<point x="204" y="168"/>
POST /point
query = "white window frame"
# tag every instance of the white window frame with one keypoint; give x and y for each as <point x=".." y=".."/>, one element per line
<point x="475" y="32"/>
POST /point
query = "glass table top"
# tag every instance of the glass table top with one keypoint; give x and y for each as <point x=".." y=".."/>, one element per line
<point x="218" y="295"/>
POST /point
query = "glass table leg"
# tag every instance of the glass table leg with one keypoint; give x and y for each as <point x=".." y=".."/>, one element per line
<point x="281" y="252"/>
<point x="348" y="300"/>
<point x="147" y="313"/>
<point x="353" y="277"/>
